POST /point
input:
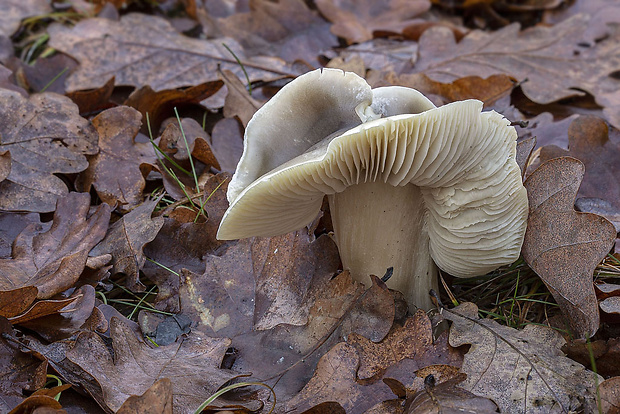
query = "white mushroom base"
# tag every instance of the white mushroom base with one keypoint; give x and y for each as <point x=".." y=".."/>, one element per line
<point x="377" y="226"/>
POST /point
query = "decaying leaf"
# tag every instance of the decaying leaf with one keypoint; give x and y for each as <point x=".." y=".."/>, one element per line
<point x="126" y="239"/>
<point x="157" y="399"/>
<point x="522" y="371"/>
<point x="449" y="398"/>
<point x="335" y="380"/>
<point x="118" y="171"/>
<point x="53" y="260"/>
<point x="44" y="135"/>
<point x="238" y="102"/>
<point x="562" y="246"/>
<point x="141" y="50"/>
<point x="357" y="21"/>
<point x="195" y="357"/>
<point x="610" y="396"/>
<point x="287" y="28"/>
<point x="606" y="354"/>
<point x="414" y="341"/>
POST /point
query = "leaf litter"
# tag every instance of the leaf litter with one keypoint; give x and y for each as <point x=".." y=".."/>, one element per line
<point x="132" y="234"/>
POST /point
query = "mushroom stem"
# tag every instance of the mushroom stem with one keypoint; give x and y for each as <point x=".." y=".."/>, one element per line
<point x="377" y="226"/>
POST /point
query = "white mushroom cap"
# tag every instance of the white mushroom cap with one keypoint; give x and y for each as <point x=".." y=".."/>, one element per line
<point x="462" y="160"/>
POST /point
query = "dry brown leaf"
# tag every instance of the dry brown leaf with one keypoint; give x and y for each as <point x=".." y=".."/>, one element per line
<point x="288" y="29"/>
<point x="39" y="404"/>
<point x="522" y="371"/>
<point x="157" y="399"/>
<point x="13" y="11"/>
<point x="384" y="54"/>
<point x="125" y="241"/>
<point x="591" y="141"/>
<point x="196" y="357"/>
<point x="18" y="371"/>
<point x="610" y="396"/>
<point x="550" y="58"/>
<point x="53" y="260"/>
<point x="160" y="105"/>
<point x="42" y="309"/>
<point x="11" y="224"/>
<point x="358" y="21"/>
<point x="239" y="103"/>
<point x="142" y="50"/>
<point x="562" y="246"/>
<point x="414" y="341"/>
<point x="335" y="380"/>
<point x="227" y="143"/>
<point x="13" y="302"/>
<point x="449" y="398"/>
<point x="118" y="171"/>
<point x="606" y="354"/>
<point x="44" y="135"/>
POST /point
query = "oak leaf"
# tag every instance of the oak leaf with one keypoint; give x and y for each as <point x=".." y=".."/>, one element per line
<point x="522" y="371"/>
<point x="45" y="135"/>
<point x="141" y="50"/>
<point x="53" y="260"/>
<point x="157" y="399"/>
<point x="562" y="246"/>
<point x="195" y="357"/>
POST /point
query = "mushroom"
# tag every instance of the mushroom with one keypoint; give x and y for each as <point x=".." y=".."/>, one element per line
<point x="409" y="185"/>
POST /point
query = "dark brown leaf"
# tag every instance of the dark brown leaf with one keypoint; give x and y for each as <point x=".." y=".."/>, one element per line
<point x="196" y="357"/>
<point x="157" y="399"/>
<point x="116" y="171"/>
<point x="610" y="396"/>
<point x="14" y="302"/>
<point x="126" y="239"/>
<point x="522" y="371"/>
<point x="40" y="404"/>
<point x="41" y="309"/>
<point x="53" y="260"/>
<point x="141" y="50"/>
<point x="357" y="21"/>
<point x="606" y="354"/>
<point x="44" y="135"/>
<point x="562" y="246"/>
<point x="334" y="380"/>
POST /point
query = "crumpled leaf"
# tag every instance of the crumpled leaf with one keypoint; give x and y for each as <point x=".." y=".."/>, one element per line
<point x="118" y="171"/>
<point x="449" y="398"/>
<point x="591" y="142"/>
<point x="357" y="21"/>
<point x="141" y="50"/>
<point x="44" y="135"/>
<point x="288" y="29"/>
<point x="125" y="241"/>
<point x="413" y="341"/>
<point x="523" y="55"/>
<point x="18" y="371"/>
<point x="334" y="380"/>
<point x="53" y="260"/>
<point x="157" y="399"/>
<point x="522" y="371"/>
<point x="196" y="357"/>
<point x="563" y="246"/>
<point x="13" y="11"/>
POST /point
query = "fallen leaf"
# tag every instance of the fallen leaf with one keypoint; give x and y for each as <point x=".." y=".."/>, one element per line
<point x="288" y="29"/>
<point x="46" y="73"/>
<point x="227" y="143"/>
<point x="125" y="241"/>
<point x="41" y="309"/>
<point x="6" y="74"/>
<point x="157" y="399"/>
<point x="18" y="371"/>
<point x="39" y="404"/>
<point x="160" y="105"/>
<point x="117" y="172"/>
<point x="45" y="135"/>
<point x="449" y="398"/>
<point x="238" y="102"/>
<point x="93" y="100"/>
<point x="606" y="354"/>
<point x="414" y="341"/>
<point x="196" y="357"/>
<point x="13" y="302"/>
<point x="384" y="54"/>
<point x="53" y="260"/>
<point x="335" y="380"/>
<point x="358" y="21"/>
<point x="522" y="55"/>
<point x="591" y="141"/>
<point x="563" y="246"/>
<point x="14" y="11"/>
<point x="141" y="50"/>
<point x="522" y="371"/>
<point x="610" y="396"/>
